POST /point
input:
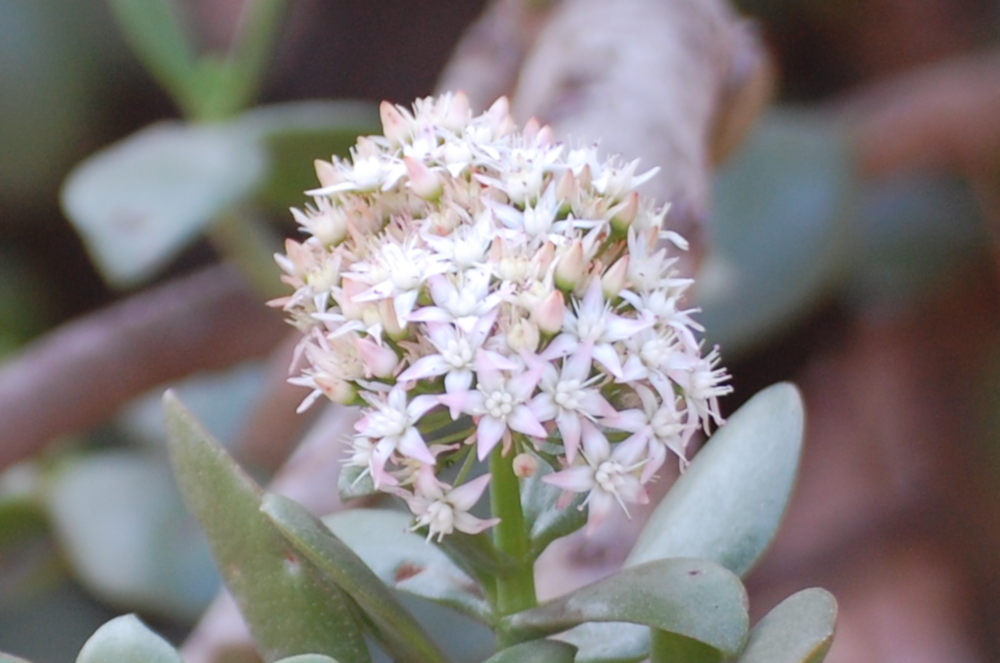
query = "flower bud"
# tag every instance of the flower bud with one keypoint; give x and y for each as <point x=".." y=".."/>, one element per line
<point x="615" y="278"/>
<point x="394" y="125"/>
<point x="550" y="313"/>
<point x="379" y="361"/>
<point x="523" y="335"/>
<point x="625" y="213"/>
<point x="337" y="390"/>
<point x="525" y="465"/>
<point x="390" y="323"/>
<point x="326" y="173"/>
<point x="423" y="181"/>
<point x="571" y="267"/>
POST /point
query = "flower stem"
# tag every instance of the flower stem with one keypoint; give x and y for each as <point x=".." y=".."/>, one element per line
<point x="516" y="586"/>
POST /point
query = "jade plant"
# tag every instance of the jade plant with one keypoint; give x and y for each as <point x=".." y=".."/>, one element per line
<point x="505" y="311"/>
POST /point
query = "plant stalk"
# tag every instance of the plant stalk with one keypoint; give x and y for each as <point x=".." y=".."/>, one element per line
<point x="515" y="587"/>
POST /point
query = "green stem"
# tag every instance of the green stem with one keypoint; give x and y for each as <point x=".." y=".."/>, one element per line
<point x="516" y="586"/>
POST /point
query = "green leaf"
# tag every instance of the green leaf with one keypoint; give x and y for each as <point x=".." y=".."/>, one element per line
<point x="308" y="658"/>
<point x="286" y="608"/>
<point x="394" y="627"/>
<point x="727" y="506"/>
<point x="294" y="134"/>
<point x="127" y="640"/>
<point x="127" y="536"/>
<point x="693" y="598"/>
<point x="405" y="561"/>
<point x="547" y="521"/>
<point x="535" y="651"/>
<point x="797" y="630"/>
<point x="779" y="236"/>
<point x="141" y="200"/>
<point x="155" y="33"/>
<point x="667" y="647"/>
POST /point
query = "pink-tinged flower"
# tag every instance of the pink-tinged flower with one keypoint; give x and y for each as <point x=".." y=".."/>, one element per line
<point x="657" y="427"/>
<point x="569" y="396"/>
<point x="392" y="423"/>
<point x="443" y="509"/>
<point x="702" y="383"/>
<point x="397" y="271"/>
<point x="500" y="404"/>
<point x="456" y="354"/>
<point x="596" y="329"/>
<point x="608" y="477"/>
<point x="463" y="299"/>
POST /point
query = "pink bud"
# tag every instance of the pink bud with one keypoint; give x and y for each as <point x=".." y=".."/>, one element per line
<point x="423" y="181"/>
<point x="326" y="173"/>
<point x="380" y="361"/>
<point x="615" y="278"/>
<point x="390" y="323"/>
<point x="525" y="465"/>
<point x="571" y="267"/>
<point x="625" y="213"/>
<point x="549" y="315"/>
<point x="337" y="390"/>
<point x="394" y="125"/>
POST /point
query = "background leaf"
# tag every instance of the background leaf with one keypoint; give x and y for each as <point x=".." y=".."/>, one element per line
<point x="308" y="658"/>
<point x="294" y="134"/>
<point x="126" y="534"/>
<point x="157" y="37"/>
<point x="127" y="640"/>
<point x="797" y="630"/>
<point x="694" y="598"/>
<point x="139" y="201"/>
<point x="779" y="237"/>
<point x="727" y="506"/>
<point x="287" y="609"/>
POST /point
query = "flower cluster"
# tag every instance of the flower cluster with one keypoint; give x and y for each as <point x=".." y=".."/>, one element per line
<point x="480" y="290"/>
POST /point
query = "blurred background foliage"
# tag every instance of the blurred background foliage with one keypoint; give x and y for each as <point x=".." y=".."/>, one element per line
<point x="805" y="237"/>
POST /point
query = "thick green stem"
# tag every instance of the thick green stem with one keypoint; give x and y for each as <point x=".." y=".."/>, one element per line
<point x="516" y="586"/>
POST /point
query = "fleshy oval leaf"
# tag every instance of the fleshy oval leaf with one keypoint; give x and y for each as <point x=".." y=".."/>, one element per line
<point x="287" y="608"/>
<point x="694" y="598"/>
<point x="728" y="504"/>
<point x="308" y="658"/>
<point x="394" y="626"/>
<point x="141" y="200"/>
<point x="797" y="630"/>
<point x="535" y="651"/>
<point x="125" y="639"/>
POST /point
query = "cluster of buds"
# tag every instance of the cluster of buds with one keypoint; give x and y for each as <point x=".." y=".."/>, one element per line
<point x="479" y="290"/>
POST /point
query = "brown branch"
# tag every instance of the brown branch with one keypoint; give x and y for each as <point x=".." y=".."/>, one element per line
<point x="673" y="82"/>
<point x="945" y="115"/>
<point x="81" y="373"/>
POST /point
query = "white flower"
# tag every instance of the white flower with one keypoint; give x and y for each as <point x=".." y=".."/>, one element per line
<point x="500" y="403"/>
<point x="392" y="424"/>
<point x="608" y="477"/>
<point x="569" y="396"/>
<point x="443" y="509"/>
